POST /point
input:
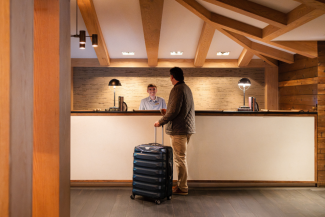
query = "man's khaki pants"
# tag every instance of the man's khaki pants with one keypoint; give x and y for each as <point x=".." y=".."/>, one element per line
<point x="179" y="144"/>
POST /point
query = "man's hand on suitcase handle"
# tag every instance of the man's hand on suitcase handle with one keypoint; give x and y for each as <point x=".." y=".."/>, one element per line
<point x="157" y="124"/>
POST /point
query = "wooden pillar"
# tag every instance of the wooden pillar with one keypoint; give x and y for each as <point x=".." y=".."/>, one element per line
<point x="321" y="115"/>
<point x="271" y="87"/>
<point x="51" y="159"/>
<point x="16" y="107"/>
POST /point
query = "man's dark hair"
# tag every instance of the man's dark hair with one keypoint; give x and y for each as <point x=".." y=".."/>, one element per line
<point x="177" y="73"/>
<point x="152" y="85"/>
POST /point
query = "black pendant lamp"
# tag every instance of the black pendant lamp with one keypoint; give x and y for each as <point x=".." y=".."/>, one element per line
<point x="82" y="34"/>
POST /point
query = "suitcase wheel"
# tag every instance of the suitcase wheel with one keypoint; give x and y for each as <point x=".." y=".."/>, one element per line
<point x="132" y="196"/>
<point x="157" y="202"/>
<point x="169" y="198"/>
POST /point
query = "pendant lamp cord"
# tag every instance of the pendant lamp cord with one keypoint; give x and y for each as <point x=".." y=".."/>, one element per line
<point x="76" y="17"/>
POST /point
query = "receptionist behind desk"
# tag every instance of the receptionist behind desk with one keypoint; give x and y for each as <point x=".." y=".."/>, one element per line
<point x="152" y="102"/>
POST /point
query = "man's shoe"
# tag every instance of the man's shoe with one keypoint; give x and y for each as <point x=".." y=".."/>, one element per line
<point x="175" y="188"/>
<point x="179" y="192"/>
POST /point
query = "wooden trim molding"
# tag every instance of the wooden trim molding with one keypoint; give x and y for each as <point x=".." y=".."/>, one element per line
<point x="198" y="183"/>
<point x="151" y="14"/>
<point x="166" y="63"/>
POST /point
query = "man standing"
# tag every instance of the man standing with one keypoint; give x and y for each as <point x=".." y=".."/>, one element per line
<point x="180" y="120"/>
<point x="152" y="102"/>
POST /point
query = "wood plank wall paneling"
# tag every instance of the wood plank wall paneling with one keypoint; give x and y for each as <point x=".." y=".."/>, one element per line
<point x="213" y="89"/>
<point x="21" y="117"/>
<point x="64" y="108"/>
<point x="321" y="112"/>
<point x="4" y="106"/>
<point x="51" y="109"/>
<point x="298" y="84"/>
<point x="16" y="107"/>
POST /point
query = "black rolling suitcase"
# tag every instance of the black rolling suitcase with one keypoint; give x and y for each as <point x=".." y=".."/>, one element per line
<point x="153" y="170"/>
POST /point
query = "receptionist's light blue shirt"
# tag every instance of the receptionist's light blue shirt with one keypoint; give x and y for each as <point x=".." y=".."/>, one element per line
<point x="149" y="104"/>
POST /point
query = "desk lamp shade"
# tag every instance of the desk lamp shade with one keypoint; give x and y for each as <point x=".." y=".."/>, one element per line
<point x="114" y="82"/>
<point x="244" y="84"/>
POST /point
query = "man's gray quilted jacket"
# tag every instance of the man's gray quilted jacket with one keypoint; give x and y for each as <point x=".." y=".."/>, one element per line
<point x="180" y="115"/>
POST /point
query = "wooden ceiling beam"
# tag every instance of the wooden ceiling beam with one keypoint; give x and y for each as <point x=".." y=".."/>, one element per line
<point x="304" y="48"/>
<point x="220" y="21"/>
<point x="247" y="44"/>
<point x="318" y="4"/>
<point x="89" y="16"/>
<point x="245" y="57"/>
<point x="151" y="14"/>
<point x="268" y="60"/>
<point x="204" y="44"/>
<point x="259" y="48"/>
<point x="295" y="18"/>
<point x="273" y="53"/>
<point x="253" y="10"/>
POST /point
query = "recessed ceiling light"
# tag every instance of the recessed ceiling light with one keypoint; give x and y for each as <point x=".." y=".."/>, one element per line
<point x="223" y="53"/>
<point x="128" y="53"/>
<point x="176" y="53"/>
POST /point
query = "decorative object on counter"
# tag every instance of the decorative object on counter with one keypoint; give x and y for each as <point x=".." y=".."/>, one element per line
<point x="82" y="34"/>
<point x="114" y="82"/>
<point x="123" y="107"/>
<point x="97" y="110"/>
<point x="253" y="105"/>
<point x="244" y="84"/>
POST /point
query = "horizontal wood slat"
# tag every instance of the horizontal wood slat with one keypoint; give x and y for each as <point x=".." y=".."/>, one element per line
<point x="299" y="74"/>
<point x="300" y="63"/>
<point x="310" y="89"/>
<point x="320" y="165"/>
<point x="321" y="143"/>
<point x="321" y="132"/>
<point x="320" y="156"/>
<point x="284" y="106"/>
<point x="299" y="99"/>
<point x="321" y="88"/>
<point x="305" y="81"/>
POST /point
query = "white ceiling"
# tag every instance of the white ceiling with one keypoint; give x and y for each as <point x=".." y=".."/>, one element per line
<point x="120" y="21"/>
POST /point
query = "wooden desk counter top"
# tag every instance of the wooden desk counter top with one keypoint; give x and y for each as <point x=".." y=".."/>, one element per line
<point x="197" y="113"/>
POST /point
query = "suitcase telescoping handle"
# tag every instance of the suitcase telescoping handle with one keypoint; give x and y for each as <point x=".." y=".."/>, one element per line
<point x="162" y="134"/>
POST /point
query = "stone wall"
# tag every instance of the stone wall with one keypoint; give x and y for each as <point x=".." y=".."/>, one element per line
<point x="213" y="89"/>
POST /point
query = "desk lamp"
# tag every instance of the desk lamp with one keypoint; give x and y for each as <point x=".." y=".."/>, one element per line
<point x="114" y="83"/>
<point x="244" y="84"/>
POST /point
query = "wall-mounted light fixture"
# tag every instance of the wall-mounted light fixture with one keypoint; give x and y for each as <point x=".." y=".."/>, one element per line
<point x="82" y="34"/>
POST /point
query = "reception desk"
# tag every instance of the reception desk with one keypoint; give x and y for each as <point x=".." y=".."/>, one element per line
<point x="269" y="148"/>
